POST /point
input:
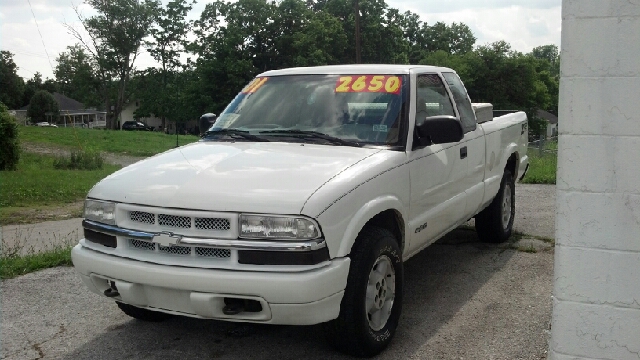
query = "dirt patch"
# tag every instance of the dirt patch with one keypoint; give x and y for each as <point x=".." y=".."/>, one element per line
<point x="37" y="214"/>
<point x="115" y="159"/>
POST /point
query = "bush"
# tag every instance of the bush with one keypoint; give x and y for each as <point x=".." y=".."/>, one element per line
<point x="80" y="160"/>
<point x="10" y="153"/>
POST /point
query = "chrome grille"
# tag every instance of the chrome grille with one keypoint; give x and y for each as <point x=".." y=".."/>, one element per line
<point x="181" y="250"/>
<point x="174" y="221"/>
<point x="142" y="217"/>
<point x="175" y="250"/>
<point x="213" y="252"/>
<point x="144" y="245"/>
<point x="212" y="224"/>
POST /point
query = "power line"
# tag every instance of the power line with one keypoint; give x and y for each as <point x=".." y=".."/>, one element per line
<point x="41" y="39"/>
<point x="23" y="68"/>
<point x="24" y="52"/>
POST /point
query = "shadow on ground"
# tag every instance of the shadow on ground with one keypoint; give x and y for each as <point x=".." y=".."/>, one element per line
<point x="440" y="282"/>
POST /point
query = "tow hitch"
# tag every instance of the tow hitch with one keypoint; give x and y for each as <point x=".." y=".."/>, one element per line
<point x="112" y="291"/>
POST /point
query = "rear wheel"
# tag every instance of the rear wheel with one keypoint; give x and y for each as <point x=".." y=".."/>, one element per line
<point x="142" y="314"/>
<point x="372" y="301"/>
<point x="495" y="223"/>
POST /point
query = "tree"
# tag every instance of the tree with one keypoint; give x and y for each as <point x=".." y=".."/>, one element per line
<point x="168" y="42"/>
<point x="115" y="36"/>
<point x="548" y="67"/>
<point x="76" y="77"/>
<point x="320" y="42"/>
<point x="381" y="33"/>
<point x="234" y="41"/>
<point x="462" y="38"/>
<point x="547" y="52"/>
<point x="144" y="85"/>
<point x="231" y="46"/>
<point x="9" y="141"/>
<point x="11" y="85"/>
<point x="414" y="33"/>
<point x="34" y="84"/>
<point x="42" y="104"/>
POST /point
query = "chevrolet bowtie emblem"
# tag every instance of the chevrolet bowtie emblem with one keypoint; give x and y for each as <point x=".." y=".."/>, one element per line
<point x="166" y="238"/>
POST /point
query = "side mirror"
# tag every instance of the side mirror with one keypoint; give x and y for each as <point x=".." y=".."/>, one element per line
<point x="439" y="130"/>
<point x="206" y="120"/>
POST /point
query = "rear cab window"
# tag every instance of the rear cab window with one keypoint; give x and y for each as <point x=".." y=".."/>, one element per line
<point x="467" y="115"/>
<point x="432" y="98"/>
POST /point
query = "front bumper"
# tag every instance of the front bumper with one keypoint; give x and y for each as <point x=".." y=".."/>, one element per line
<point x="293" y="298"/>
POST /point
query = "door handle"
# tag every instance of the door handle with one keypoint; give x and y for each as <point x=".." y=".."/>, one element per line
<point x="463" y="152"/>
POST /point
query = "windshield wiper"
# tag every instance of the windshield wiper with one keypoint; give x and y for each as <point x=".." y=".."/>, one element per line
<point x="234" y="134"/>
<point x="313" y="134"/>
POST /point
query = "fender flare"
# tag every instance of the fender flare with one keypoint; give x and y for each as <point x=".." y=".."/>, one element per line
<point x="511" y="149"/>
<point x="366" y="213"/>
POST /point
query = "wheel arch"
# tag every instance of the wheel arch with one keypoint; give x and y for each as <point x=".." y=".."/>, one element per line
<point x="384" y="212"/>
<point x="512" y="163"/>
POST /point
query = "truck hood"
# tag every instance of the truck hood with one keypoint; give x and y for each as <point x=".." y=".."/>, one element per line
<point x="264" y="177"/>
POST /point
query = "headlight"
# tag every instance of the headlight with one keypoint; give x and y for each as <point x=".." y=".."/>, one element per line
<point x="100" y="211"/>
<point x="277" y="227"/>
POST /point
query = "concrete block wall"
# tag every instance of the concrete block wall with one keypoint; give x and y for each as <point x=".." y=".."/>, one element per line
<point x="596" y="311"/>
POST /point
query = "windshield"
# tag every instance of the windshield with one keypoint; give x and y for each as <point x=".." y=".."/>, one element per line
<point x="363" y="109"/>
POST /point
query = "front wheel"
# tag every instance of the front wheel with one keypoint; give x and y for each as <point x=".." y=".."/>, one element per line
<point x="372" y="301"/>
<point x="495" y="223"/>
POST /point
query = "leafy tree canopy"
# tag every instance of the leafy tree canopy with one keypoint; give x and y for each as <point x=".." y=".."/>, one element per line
<point x="42" y="107"/>
<point x="11" y="85"/>
<point x="231" y="42"/>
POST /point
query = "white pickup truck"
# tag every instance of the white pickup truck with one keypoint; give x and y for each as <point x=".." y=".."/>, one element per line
<point x="303" y="200"/>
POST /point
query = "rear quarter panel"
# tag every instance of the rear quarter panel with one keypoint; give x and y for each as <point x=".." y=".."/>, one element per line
<point x="504" y="136"/>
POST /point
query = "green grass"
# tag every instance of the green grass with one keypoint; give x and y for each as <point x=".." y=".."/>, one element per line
<point x="542" y="169"/>
<point x="135" y="143"/>
<point x="37" y="183"/>
<point x="12" y="265"/>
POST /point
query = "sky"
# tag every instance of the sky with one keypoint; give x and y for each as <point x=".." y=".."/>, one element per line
<point x="524" y="24"/>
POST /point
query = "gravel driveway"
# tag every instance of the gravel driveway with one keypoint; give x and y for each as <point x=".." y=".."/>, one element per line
<point x="463" y="300"/>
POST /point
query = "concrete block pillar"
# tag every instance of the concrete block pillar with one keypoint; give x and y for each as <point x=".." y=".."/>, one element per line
<point x="596" y="311"/>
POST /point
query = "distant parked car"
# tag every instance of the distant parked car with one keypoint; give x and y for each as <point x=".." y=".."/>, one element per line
<point x="136" y="125"/>
<point x="46" y="124"/>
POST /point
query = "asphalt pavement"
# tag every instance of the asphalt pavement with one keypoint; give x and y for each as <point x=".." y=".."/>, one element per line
<point x="463" y="300"/>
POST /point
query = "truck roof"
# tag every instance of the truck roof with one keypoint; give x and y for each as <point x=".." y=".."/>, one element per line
<point x="364" y="69"/>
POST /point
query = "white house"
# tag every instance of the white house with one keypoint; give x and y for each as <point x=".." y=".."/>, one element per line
<point x="128" y="114"/>
<point x="72" y="113"/>
<point x="552" y="122"/>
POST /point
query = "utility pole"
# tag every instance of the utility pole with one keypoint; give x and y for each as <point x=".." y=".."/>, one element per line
<point x="358" y="47"/>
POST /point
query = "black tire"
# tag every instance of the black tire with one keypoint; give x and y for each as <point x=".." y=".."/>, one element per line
<point x="143" y="314"/>
<point x="490" y="222"/>
<point x="352" y="332"/>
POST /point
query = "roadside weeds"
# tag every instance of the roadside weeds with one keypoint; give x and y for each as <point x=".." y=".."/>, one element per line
<point x="15" y="260"/>
<point x="530" y="243"/>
